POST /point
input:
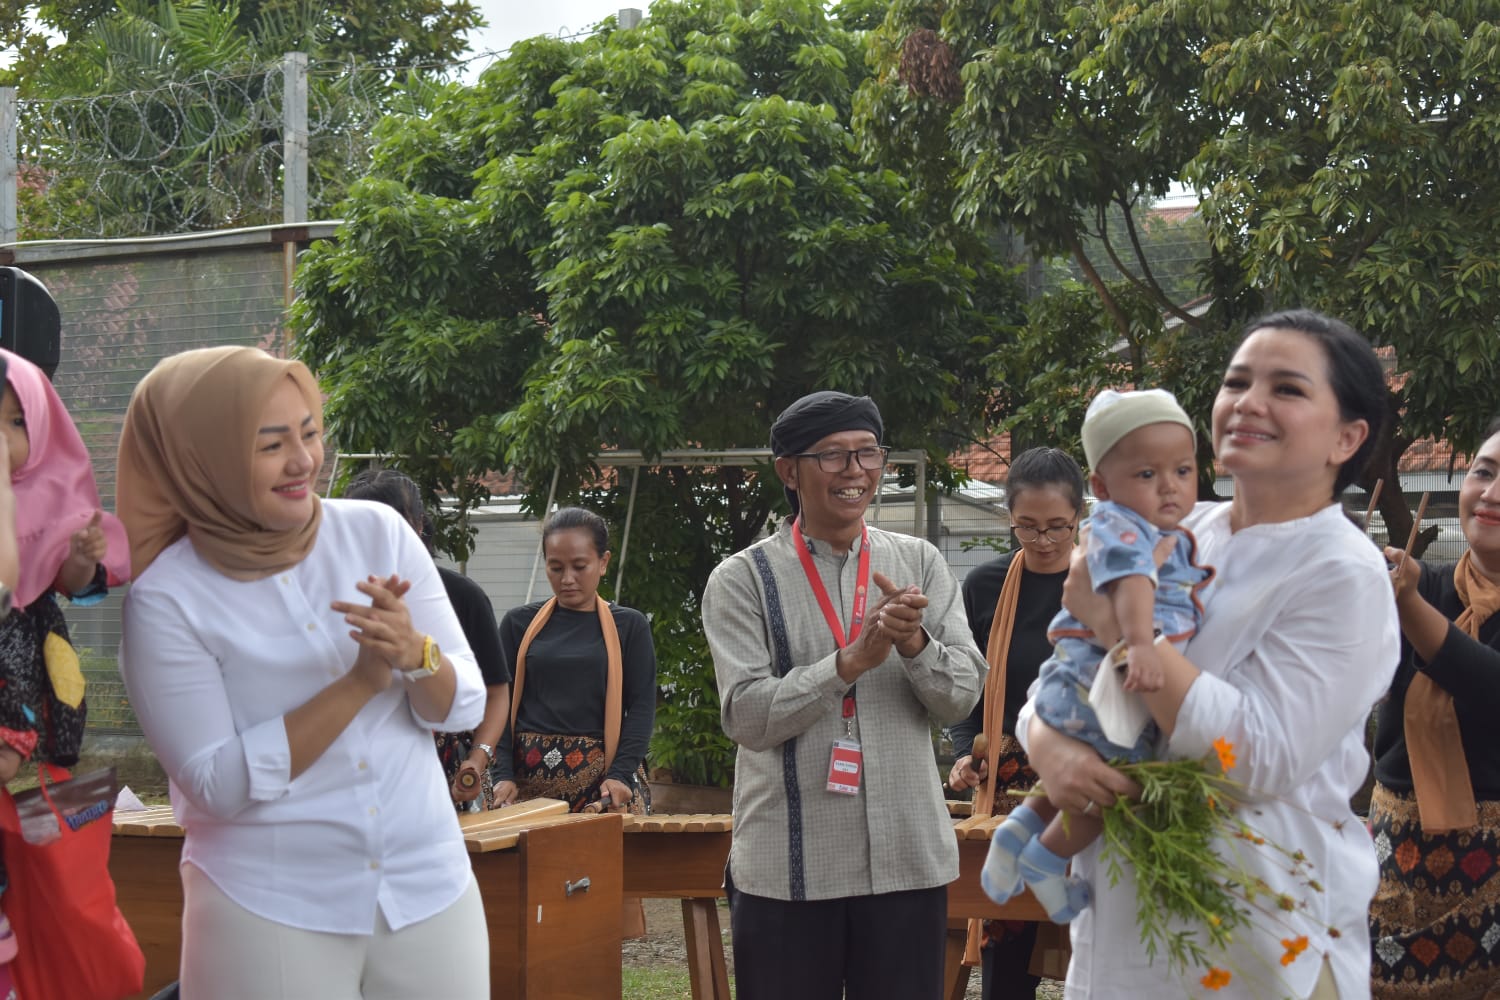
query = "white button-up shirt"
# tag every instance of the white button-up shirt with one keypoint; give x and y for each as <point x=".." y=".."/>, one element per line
<point x="212" y="666"/>
<point x="1299" y="639"/>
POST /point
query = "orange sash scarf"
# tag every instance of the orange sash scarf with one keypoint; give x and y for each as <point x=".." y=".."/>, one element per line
<point x="1439" y="769"/>
<point x="996" y="653"/>
<point x="614" y="685"/>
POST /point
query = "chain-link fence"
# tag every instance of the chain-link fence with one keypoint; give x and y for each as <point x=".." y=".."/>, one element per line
<point x="122" y="313"/>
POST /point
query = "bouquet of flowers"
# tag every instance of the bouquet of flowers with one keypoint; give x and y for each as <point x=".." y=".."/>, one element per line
<point x="1168" y="840"/>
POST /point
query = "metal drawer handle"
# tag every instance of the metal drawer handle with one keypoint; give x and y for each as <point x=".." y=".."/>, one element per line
<point x="582" y="885"/>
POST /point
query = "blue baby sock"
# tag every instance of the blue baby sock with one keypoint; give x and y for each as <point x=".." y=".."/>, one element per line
<point x="1046" y="876"/>
<point x="1000" y="877"/>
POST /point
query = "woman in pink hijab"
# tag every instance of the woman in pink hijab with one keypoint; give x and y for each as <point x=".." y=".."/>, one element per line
<point x="56" y="539"/>
<point x="65" y="545"/>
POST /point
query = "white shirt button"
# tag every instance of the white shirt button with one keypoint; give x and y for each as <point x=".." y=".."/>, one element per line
<point x="374" y="866"/>
<point x="364" y="765"/>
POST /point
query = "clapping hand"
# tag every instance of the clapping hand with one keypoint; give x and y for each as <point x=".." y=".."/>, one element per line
<point x="899" y="615"/>
<point x="895" y="620"/>
<point x="383" y="629"/>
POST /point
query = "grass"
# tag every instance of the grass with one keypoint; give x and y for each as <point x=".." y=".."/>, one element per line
<point x="662" y="982"/>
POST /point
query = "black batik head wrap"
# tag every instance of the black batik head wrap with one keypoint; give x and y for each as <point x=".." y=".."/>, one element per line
<point x="814" y="417"/>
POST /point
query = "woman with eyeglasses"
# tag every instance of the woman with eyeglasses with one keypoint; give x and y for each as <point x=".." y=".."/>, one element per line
<point x="1010" y="601"/>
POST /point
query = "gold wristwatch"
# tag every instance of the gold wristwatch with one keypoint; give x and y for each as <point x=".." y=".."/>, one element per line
<point x="432" y="659"/>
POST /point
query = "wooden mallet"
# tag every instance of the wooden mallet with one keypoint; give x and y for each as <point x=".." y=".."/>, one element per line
<point x="1411" y="539"/>
<point x="1374" y="499"/>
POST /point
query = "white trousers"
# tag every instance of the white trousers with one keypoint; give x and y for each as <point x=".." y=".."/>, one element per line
<point x="229" y="953"/>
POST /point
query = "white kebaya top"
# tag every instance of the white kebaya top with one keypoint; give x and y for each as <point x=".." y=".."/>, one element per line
<point x="1299" y="639"/>
<point x="212" y="665"/>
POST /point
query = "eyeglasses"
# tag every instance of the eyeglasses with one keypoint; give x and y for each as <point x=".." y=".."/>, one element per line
<point x="838" y="459"/>
<point x="1056" y="533"/>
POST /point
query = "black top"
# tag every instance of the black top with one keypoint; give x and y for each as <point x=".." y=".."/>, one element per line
<point x="1466" y="669"/>
<point x="476" y="617"/>
<point x="566" y="674"/>
<point x="1037" y="604"/>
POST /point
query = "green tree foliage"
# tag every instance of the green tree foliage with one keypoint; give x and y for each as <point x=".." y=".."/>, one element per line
<point x="1343" y="150"/>
<point x="28" y="31"/>
<point x="407" y="34"/>
<point x="1006" y="117"/>
<point x="651" y="239"/>
<point x="396" y="33"/>
<point x="160" y="116"/>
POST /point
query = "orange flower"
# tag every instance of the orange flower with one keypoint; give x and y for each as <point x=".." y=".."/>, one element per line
<point x="1294" y="947"/>
<point x="1225" y="750"/>
<point x="1216" y="979"/>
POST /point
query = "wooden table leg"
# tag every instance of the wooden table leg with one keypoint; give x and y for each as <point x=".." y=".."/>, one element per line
<point x="633" y="918"/>
<point x="707" y="971"/>
<point x="955" y="972"/>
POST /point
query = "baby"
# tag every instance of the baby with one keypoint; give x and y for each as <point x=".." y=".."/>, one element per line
<point x="1140" y="451"/>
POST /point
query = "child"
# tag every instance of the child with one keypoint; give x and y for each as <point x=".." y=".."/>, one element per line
<point x="63" y="543"/>
<point x="1140" y="450"/>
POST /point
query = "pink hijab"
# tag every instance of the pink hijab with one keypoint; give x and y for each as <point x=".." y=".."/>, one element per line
<point x="55" y="491"/>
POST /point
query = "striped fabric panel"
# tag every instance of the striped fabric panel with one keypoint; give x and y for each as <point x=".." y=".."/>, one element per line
<point x="789" y="749"/>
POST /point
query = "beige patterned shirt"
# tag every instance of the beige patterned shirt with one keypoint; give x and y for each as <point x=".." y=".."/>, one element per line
<point x="782" y="703"/>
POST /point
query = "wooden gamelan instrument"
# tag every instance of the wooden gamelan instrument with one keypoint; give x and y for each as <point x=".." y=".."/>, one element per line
<point x="550" y="881"/>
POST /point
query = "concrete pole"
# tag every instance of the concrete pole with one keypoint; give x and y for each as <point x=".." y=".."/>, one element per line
<point x="9" y="163"/>
<point x="294" y="138"/>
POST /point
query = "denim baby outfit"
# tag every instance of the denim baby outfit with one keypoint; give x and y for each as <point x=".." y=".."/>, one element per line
<point x="1120" y="543"/>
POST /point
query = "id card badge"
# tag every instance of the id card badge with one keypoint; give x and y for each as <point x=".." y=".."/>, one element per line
<point x="845" y="767"/>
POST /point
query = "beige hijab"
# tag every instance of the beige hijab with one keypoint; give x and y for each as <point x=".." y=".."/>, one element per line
<point x="185" y="461"/>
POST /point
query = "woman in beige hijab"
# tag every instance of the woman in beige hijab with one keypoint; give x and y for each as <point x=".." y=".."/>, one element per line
<point x="289" y="659"/>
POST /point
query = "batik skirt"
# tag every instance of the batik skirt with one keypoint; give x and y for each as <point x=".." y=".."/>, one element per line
<point x="570" y="768"/>
<point x="1435" y="921"/>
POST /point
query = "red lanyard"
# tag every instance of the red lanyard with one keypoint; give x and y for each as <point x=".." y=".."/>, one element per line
<point x="861" y="585"/>
<point x="861" y="589"/>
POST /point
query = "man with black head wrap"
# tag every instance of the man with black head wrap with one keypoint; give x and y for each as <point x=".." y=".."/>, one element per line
<point x="835" y="645"/>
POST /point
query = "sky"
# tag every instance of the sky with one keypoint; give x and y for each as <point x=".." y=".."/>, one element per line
<point x="512" y="20"/>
